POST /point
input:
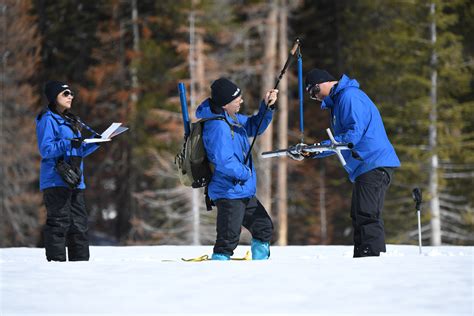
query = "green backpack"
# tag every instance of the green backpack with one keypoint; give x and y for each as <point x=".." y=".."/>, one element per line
<point x="194" y="169"/>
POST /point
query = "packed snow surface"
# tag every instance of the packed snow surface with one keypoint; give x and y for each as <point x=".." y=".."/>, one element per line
<point x="297" y="280"/>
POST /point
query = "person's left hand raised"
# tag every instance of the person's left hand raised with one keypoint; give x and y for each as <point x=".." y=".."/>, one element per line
<point x="270" y="97"/>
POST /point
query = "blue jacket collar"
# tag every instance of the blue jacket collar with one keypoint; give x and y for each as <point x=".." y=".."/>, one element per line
<point x="204" y="112"/>
<point x="343" y="83"/>
<point x="48" y="111"/>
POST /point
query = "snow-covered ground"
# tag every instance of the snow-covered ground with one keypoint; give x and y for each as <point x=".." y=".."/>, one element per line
<point x="297" y="280"/>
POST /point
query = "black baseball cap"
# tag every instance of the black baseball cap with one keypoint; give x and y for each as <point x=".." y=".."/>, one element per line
<point x="316" y="76"/>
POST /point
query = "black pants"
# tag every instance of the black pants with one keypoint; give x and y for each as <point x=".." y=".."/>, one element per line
<point x="368" y="196"/>
<point x="232" y="214"/>
<point x="66" y="225"/>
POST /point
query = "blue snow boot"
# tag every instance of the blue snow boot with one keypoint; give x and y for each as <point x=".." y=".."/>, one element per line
<point x="220" y="256"/>
<point x="260" y="250"/>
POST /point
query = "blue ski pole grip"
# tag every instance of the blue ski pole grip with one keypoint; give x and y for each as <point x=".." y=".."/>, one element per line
<point x="184" y="108"/>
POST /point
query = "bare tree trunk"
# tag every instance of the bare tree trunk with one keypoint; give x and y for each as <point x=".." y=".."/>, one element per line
<point x="136" y="49"/>
<point x="126" y="194"/>
<point x="200" y="72"/>
<point x="433" y="185"/>
<point x="3" y="80"/>
<point x="268" y="77"/>
<point x="195" y="193"/>
<point x="282" y="197"/>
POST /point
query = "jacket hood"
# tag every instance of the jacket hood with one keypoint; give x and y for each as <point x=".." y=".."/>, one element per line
<point x="343" y="83"/>
<point x="49" y="111"/>
<point x="203" y="111"/>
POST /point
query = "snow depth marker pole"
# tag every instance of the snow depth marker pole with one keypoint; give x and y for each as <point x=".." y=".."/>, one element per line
<point x="300" y="93"/>
<point x="418" y="198"/>
<point x="302" y="147"/>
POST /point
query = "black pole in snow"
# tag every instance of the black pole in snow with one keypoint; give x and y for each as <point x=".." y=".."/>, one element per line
<point x="418" y="198"/>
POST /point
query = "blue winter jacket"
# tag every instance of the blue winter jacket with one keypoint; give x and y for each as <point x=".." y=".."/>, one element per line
<point x="227" y="147"/>
<point x="355" y="119"/>
<point x="54" y="133"/>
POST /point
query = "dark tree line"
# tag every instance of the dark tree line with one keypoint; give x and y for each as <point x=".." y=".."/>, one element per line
<point x="124" y="58"/>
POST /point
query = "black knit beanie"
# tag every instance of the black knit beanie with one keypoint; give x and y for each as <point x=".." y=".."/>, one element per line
<point x="223" y="91"/>
<point x="316" y="76"/>
<point x="53" y="88"/>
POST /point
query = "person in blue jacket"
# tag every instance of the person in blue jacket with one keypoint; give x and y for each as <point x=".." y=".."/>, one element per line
<point x="60" y="141"/>
<point x="355" y="119"/>
<point x="233" y="184"/>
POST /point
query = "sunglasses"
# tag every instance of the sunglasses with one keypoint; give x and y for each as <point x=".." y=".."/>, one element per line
<point x="313" y="92"/>
<point x="67" y="93"/>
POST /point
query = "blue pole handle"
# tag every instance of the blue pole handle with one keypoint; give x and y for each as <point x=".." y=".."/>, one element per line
<point x="300" y="92"/>
<point x="184" y="109"/>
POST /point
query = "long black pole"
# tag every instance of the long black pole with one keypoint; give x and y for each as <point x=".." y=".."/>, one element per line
<point x="282" y="72"/>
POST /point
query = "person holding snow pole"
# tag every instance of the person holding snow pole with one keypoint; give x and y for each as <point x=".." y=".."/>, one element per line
<point x="355" y="119"/>
<point x="233" y="184"/>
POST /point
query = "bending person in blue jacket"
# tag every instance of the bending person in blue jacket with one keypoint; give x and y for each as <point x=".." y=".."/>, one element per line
<point x="355" y="119"/>
<point x="233" y="184"/>
<point x="61" y="178"/>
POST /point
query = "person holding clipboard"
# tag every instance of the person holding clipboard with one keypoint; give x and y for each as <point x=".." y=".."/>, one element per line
<point x="62" y="149"/>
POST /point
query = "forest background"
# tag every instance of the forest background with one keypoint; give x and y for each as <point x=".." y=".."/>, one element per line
<point x="124" y="59"/>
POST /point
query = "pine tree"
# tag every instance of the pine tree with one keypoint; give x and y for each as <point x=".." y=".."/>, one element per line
<point x="110" y="91"/>
<point x="162" y="214"/>
<point x="21" y="199"/>
<point x="318" y="213"/>
<point x="282" y="164"/>
<point x="396" y="70"/>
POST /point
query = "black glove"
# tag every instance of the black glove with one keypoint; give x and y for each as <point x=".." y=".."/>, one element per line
<point x="76" y="142"/>
<point x="70" y="174"/>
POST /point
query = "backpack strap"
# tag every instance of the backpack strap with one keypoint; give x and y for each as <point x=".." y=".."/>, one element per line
<point x="207" y="199"/>
<point x="209" y="202"/>
<point x="222" y="118"/>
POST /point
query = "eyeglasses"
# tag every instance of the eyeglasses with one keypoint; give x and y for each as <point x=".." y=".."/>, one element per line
<point x="313" y="92"/>
<point x="67" y="93"/>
